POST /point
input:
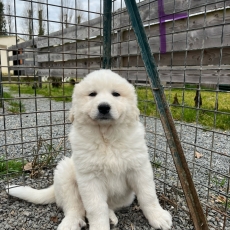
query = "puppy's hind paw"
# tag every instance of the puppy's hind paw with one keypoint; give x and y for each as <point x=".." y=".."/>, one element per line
<point x="71" y="223"/>
<point x="161" y="219"/>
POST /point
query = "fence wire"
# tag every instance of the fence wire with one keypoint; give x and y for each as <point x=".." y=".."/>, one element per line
<point x="47" y="46"/>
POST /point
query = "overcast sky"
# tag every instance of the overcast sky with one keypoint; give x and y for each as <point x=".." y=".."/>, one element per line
<point x="53" y="9"/>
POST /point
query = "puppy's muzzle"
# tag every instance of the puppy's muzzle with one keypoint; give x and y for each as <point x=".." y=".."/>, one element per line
<point x="104" y="111"/>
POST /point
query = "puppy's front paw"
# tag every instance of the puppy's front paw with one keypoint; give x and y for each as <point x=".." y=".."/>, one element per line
<point x="161" y="219"/>
<point x="113" y="218"/>
<point x="71" y="223"/>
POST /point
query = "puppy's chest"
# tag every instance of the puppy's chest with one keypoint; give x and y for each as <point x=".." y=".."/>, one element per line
<point x="115" y="158"/>
<point x="107" y="158"/>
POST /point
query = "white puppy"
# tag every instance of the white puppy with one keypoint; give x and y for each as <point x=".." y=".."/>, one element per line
<point x="109" y="163"/>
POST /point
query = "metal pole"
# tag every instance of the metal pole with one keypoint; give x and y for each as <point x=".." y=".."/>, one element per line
<point x="8" y="64"/>
<point x="190" y="193"/>
<point x="107" y="26"/>
<point x="1" y="88"/>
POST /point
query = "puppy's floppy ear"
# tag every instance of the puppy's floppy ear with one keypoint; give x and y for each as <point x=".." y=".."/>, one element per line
<point x="71" y="116"/>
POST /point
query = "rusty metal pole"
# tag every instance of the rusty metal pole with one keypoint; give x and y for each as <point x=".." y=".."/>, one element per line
<point x="1" y="85"/>
<point x="190" y="193"/>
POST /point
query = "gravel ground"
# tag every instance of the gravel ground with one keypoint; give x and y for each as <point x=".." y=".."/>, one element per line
<point x="17" y="214"/>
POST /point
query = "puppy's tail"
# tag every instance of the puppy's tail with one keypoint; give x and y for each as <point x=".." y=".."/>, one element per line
<point x="43" y="196"/>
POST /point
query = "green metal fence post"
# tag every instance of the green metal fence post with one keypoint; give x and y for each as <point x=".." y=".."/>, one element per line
<point x="107" y="26"/>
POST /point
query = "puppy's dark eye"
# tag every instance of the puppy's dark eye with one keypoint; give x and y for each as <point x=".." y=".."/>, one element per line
<point x="93" y="94"/>
<point x="115" y="94"/>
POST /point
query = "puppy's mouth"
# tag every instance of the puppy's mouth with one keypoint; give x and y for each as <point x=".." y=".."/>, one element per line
<point x="104" y="117"/>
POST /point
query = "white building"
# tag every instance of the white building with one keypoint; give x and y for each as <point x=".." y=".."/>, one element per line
<point x="5" y="42"/>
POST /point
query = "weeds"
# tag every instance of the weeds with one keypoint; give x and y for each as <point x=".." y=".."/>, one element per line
<point x="13" y="105"/>
<point x="44" y="156"/>
<point x="156" y="164"/>
<point x="219" y="182"/>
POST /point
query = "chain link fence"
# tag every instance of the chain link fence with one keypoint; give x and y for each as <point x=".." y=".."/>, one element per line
<point x="48" y="46"/>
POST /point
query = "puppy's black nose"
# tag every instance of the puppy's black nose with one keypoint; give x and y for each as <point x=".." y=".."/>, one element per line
<point x="104" y="108"/>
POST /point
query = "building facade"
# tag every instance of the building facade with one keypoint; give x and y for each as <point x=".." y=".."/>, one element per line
<point x="5" y="43"/>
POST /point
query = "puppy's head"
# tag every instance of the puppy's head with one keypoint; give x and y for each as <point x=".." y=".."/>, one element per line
<point x="103" y="97"/>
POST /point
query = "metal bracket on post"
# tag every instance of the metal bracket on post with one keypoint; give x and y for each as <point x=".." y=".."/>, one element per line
<point x="107" y="27"/>
<point x="190" y="193"/>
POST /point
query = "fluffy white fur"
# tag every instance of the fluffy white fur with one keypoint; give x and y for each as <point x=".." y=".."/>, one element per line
<point x="109" y="163"/>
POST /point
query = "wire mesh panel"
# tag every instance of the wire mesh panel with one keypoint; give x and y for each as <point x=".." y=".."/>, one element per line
<point x="188" y="41"/>
<point x="49" y="46"/>
<point x="46" y="47"/>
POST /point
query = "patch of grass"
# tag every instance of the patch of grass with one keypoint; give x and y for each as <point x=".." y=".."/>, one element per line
<point x="7" y="95"/>
<point x="44" y="156"/>
<point x="62" y="93"/>
<point x="14" y="105"/>
<point x="187" y="111"/>
<point x="10" y="166"/>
